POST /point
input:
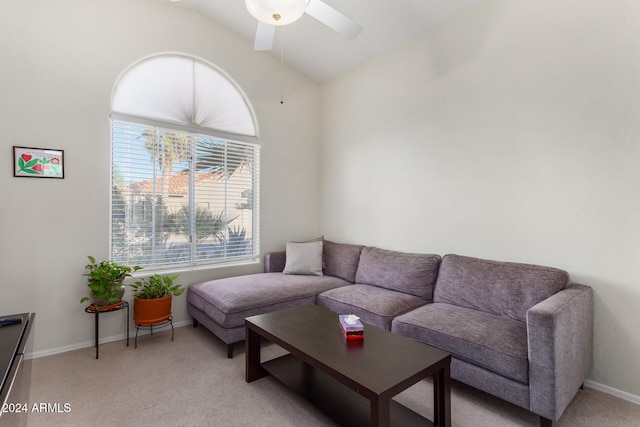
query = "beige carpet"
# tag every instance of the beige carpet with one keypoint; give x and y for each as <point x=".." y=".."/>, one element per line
<point x="190" y="382"/>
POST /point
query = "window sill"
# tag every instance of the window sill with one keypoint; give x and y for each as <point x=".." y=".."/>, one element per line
<point x="198" y="267"/>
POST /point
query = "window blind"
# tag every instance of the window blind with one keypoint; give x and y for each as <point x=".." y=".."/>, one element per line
<point x="181" y="198"/>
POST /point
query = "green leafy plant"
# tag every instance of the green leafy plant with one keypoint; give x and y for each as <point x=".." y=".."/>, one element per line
<point x="208" y="223"/>
<point x="105" y="279"/>
<point x="156" y="286"/>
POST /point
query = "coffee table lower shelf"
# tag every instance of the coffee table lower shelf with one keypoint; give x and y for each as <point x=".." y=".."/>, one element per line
<point x="338" y="401"/>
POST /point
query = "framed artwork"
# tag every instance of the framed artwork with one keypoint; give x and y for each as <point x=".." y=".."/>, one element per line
<point x="38" y="162"/>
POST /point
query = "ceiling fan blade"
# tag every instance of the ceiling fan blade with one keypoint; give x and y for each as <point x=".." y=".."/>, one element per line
<point x="264" y="36"/>
<point x="333" y="19"/>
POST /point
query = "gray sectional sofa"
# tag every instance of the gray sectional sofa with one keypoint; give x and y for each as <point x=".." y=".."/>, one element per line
<point x="520" y="332"/>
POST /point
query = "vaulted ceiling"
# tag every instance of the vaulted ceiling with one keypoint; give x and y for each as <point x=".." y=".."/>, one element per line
<point x="320" y="53"/>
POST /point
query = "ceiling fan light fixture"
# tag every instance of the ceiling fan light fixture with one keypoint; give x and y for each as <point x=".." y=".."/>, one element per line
<point x="276" y="12"/>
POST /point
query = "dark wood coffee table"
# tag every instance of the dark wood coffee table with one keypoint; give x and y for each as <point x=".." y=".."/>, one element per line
<point x="353" y="382"/>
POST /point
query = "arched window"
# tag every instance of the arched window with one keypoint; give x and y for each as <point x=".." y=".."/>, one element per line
<point x="185" y="159"/>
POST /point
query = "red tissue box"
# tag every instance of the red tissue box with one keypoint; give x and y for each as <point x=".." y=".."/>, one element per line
<point x="350" y="330"/>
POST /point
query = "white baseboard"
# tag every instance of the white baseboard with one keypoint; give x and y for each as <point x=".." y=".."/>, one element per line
<point x="64" y="349"/>
<point x="613" y="391"/>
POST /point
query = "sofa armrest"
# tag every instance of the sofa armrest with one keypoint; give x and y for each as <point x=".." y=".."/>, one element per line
<point x="560" y="339"/>
<point x="274" y="262"/>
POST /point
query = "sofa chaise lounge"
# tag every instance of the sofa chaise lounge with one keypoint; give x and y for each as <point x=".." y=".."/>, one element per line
<point x="520" y="332"/>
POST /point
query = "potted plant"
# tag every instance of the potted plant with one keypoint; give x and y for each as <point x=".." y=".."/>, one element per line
<point x="152" y="298"/>
<point x="105" y="281"/>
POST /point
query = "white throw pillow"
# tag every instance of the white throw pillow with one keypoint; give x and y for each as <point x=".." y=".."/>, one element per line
<point x="304" y="258"/>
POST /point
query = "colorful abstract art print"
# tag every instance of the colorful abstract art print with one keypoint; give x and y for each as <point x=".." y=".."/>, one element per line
<point x="38" y="162"/>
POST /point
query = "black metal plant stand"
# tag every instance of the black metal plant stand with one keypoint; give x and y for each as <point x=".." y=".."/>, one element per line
<point x="162" y="324"/>
<point x="93" y="310"/>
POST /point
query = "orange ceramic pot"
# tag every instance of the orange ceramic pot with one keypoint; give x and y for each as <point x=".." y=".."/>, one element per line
<point x="151" y="311"/>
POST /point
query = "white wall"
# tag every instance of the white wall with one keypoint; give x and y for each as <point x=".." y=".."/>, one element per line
<point x="59" y="62"/>
<point x="510" y="133"/>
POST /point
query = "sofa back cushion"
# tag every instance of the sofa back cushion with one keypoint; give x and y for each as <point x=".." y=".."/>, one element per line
<point x="411" y="273"/>
<point x="341" y="260"/>
<point x="506" y="289"/>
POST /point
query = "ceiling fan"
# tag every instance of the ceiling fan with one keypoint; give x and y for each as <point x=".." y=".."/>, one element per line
<point x="275" y="13"/>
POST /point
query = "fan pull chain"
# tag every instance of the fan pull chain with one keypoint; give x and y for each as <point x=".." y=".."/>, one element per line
<point x="281" y="65"/>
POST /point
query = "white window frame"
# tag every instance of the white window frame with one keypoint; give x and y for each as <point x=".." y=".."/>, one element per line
<point x="119" y="242"/>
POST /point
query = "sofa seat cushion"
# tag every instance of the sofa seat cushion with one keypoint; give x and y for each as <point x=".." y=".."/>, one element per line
<point x="228" y="301"/>
<point x="374" y="305"/>
<point x="506" y="289"/>
<point x="410" y="273"/>
<point x="495" y="343"/>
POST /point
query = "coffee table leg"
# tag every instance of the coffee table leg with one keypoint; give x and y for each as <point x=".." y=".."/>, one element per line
<point x="253" y="369"/>
<point x="442" y="397"/>
<point x="380" y="412"/>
